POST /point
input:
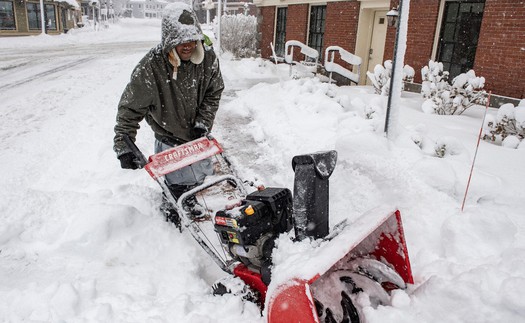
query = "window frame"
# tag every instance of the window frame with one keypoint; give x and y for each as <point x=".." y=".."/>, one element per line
<point x="317" y="28"/>
<point x="280" y="34"/>
<point x="48" y="8"/>
<point x="442" y="21"/>
<point x="53" y="8"/>
<point x="13" y="15"/>
<point x="38" y="22"/>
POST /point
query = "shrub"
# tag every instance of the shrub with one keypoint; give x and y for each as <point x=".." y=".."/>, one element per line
<point x="381" y="77"/>
<point x="239" y="35"/>
<point x="507" y="126"/>
<point x="445" y="98"/>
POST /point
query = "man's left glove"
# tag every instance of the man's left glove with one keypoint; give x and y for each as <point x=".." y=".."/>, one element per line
<point x="199" y="130"/>
<point x="127" y="161"/>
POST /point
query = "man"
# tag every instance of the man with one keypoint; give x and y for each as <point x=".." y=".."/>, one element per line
<point x="176" y="87"/>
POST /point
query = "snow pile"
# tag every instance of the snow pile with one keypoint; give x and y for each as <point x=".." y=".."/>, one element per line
<point x="72" y="3"/>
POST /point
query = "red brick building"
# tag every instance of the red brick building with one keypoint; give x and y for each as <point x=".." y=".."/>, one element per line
<point x="485" y="35"/>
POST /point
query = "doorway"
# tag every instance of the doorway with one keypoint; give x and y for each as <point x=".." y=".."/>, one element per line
<point x="377" y="41"/>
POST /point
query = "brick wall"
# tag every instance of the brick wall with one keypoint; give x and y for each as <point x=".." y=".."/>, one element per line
<point x="422" y="24"/>
<point x="297" y="22"/>
<point x="500" y="56"/>
<point x="297" y="25"/>
<point x="341" y="26"/>
<point x="266" y="29"/>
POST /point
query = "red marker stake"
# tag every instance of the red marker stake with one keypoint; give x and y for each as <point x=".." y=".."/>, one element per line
<point x="476" y="153"/>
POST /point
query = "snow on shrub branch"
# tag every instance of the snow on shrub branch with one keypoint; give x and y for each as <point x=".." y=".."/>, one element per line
<point x="507" y="126"/>
<point x="445" y="98"/>
<point x="239" y="35"/>
<point x="381" y="77"/>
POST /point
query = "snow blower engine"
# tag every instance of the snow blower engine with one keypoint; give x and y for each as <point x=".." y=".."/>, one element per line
<point x="248" y="231"/>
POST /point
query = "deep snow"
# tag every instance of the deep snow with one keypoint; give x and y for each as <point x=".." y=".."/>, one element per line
<point x="82" y="240"/>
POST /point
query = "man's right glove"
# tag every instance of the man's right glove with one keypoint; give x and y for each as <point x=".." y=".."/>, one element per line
<point x="127" y="161"/>
<point x="199" y="131"/>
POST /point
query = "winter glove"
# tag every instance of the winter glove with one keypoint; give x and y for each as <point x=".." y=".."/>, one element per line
<point x="127" y="161"/>
<point x="199" y="131"/>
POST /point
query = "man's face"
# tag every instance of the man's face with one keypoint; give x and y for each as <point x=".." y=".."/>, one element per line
<point x="185" y="50"/>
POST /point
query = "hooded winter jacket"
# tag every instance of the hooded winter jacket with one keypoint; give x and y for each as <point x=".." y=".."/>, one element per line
<point x="171" y="104"/>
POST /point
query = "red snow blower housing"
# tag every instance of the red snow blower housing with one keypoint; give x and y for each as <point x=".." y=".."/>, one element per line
<point x="355" y="265"/>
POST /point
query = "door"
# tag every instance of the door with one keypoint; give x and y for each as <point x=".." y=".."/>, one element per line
<point x="377" y="42"/>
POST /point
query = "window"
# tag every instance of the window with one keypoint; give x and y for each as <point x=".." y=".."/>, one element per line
<point x="50" y="16"/>
<point x="7" y="16"/>
<point x="459" y="35"/>
<point x="317" y="26"/>
<point x="280" y="31"/>
<point x="33" y="16"/>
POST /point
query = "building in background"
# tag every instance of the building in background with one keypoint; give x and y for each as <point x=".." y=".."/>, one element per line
<point x="145" y="8"/>
<point x="207" y="9"/>
<point x="23" y="17"/>
<point x="485" y="35"/>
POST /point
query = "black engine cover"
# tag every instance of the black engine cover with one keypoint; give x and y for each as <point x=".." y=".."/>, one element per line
<point x="269" y="210"/>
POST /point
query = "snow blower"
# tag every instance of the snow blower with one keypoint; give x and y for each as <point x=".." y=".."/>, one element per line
<point x="355" y="265"/>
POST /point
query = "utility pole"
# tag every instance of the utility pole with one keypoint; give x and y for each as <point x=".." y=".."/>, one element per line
<point x="400" y="27"/>
<point x="219" y="5"/>
<point x="42" y="16"/>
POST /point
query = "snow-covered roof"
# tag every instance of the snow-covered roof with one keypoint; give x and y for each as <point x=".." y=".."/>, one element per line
<point x="72" y="3"/>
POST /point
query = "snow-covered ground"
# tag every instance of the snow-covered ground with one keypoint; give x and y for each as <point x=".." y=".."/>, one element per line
<point x="82" y="240"/>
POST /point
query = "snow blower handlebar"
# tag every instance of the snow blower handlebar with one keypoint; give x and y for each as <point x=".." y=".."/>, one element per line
<point x="173" y="159"/>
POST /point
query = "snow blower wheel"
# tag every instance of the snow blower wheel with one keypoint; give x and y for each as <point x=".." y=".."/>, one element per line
<point x="340" y="296"/>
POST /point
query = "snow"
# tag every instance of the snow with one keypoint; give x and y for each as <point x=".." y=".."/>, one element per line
<point x="82" y="240"/>
<point x="73" y="3"/>
<point x="346" y="56"/>
<point x="305" y="50"/>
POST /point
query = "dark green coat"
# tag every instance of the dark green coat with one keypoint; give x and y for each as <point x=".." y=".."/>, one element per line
<point x="172" y="107"/>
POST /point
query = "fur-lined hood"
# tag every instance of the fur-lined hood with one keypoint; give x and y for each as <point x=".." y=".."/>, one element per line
<point x="179" y="25"/>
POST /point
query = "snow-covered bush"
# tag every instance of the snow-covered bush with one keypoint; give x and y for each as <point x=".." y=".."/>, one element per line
<point x="447" y="146"/>
<point x="445" y="98"/>
<point x="434" y="79"/>
<point x="239" y="35"/>
<point x="381" y="77"/>
<point x="508" y="125"/>
<point x="443" y="147"/>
